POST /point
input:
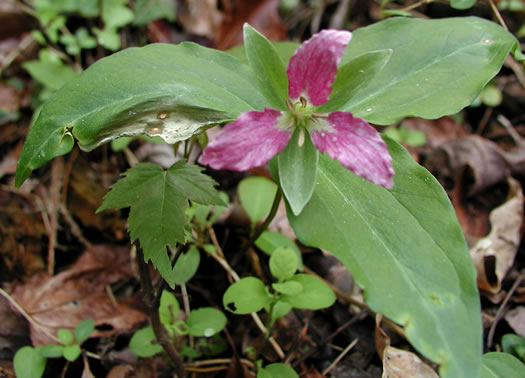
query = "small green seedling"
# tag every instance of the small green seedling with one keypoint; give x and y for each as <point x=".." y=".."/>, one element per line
<point x="204" y="323"/>
<point x="31" y="362"/>
<point x="277" y="370"/>
<point x="302" y="291"/>
<point x="514" y="344"/>
<point x="413" y="138"/>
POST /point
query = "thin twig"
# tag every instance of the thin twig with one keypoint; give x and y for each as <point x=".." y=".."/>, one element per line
<point x="416" y="5"/>
<point x="340" y="357"/>
<point x="498" y="15"/>
<point x="27" y="316"/>
<point x="501" y="309"/>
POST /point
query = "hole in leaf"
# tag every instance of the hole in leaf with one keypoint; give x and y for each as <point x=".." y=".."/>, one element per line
<point x="231" y="306"/>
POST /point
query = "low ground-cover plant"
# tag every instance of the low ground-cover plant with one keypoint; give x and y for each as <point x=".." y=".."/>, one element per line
<point x="348" y="190"/>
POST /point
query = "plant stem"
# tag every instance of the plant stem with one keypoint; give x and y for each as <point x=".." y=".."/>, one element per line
<point x="150" y="300"/>
<point x="263" y="226"/>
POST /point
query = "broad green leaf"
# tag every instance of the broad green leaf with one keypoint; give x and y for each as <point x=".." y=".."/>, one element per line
<point x="298" y="158"/>
<point x="405" y="248"/>
<point x="283" y="263"/>
<point x="186" y="266"/>
<point x="267" y="66"/>
<point x="65" y="336"/>
<point x="462" y="4"/>
<point x="314" y="295"/>
<point x="501" y="365"/>
<point x="355" y="75"/>
<point x="168" y="311"/>
<point x="173" y="91"/>
<point x="277" y="370"/>
<point x="441" y="70"/>
<point x="256" y="195"/>
<point x="246" y="295"/>
<point x="29" y="363"/>
<point x="158" y="199"/>
<point x="83" y="330"/>
<point x="288" y="287"/>
<point x="71" y="352"/>
<point x="51" y="350"/>
<point x="206" y="321"/>
<point x="141" y="343"/>
<point x="150" y="10"/>
<point x="269" y="241"/>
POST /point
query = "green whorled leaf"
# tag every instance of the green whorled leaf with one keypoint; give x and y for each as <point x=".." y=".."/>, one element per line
<point x="315" y="294"/>
<point x="29" y="363"/>
<point x="186" y="266"/>
<point x="246" y="295"/>
<point x="206" y="321"/>
<point x="71" y="352"/>
<point x="83" y="330"/>
<point x="462" y="4"/>
<point x="501" y="365"/>
<point x="283" y="263"/>
<point x="277" y="370"/>
<point x="355" y="75"/>
<point x="256" y="195"/>
<point x="169" y="309"/>
<point x="405" y="248"/>
<point x="51" y="350"/>
<point x="269" y="241"/>
<point x="141" y="343"/>
<point x="158" y="199"/>
<point x="173" y="91"/>
<point x="280" y="309"/>
<point x="294" y="161"/>
<point x="65" y="336"/>
<point x="267" y="66"/>
<point x="437" y="67"/>
<point x="288" y="287"/>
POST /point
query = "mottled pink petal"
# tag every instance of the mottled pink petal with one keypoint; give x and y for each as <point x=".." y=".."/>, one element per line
<point x="357" y="146"/>
<point x="248" y="142"/>
<point x="311" y="71"/>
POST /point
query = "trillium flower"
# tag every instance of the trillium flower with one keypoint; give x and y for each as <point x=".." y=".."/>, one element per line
<point x="256" y="136"/>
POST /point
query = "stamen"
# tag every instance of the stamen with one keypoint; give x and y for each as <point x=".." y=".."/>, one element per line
<point x="300" y="140"/>
<point x="303" y="102"/>
<point x="289" y="105"/>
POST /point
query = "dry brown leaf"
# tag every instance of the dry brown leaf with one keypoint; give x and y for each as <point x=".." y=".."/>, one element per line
<point x="516" y="319"/>
<point x="494" y="254"/>
<point x="263" y="15"/>
<point x="399" y="363"/>
<point x="200" y="17"/>
<point x="79" y="293"/>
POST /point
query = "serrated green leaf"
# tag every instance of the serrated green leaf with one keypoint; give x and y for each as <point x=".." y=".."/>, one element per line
<point x="501" y="365"/>
<point x="405" y="248"/>
<point x="29" y="363"/>
<point x="142" y="343"/>
<point x="65" y="336"/>
<point x="186" y="266"/>
<point x="267" y="66"/>
<point x="246" y="295"/>
<point x="83" y="330"/>
<point x="315" y="294"/>
<point x="256" y="195"/>
<point x="173" y="91"/>
<point x="206" y="321"/>
<point x="158" y="199"/>
<point x="441" y="71"/>
<point x="283" y="263"/>
<point x="293" y="162"/>
<point x="71" y="352"/>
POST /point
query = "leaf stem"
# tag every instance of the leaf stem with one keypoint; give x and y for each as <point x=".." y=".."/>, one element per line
<point x="150" y="300"/>
<point x="498" y="15"/>
<point x="263" y="226"/>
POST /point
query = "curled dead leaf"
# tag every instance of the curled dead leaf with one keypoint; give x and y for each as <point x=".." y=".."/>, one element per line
<point x="494" y="254"/>
<point x="399" y="363"/>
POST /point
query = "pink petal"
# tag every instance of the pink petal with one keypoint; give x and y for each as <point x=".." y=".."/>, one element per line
<point x="248" y="142"/>
<point x="311" y="71"/>
<point x="357" y="146"/>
